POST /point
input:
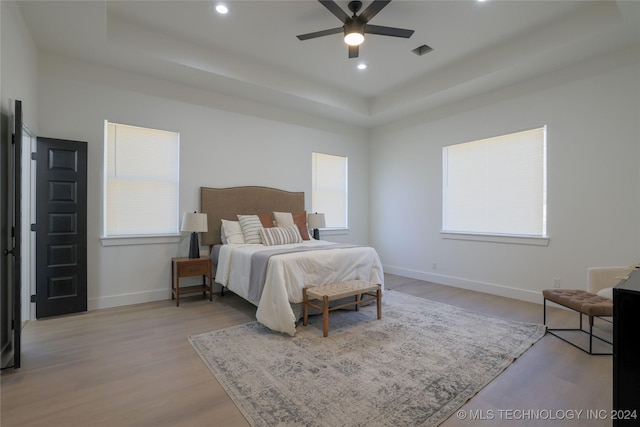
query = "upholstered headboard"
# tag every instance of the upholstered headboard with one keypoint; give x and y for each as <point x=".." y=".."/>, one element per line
<point x="227" y="203"/>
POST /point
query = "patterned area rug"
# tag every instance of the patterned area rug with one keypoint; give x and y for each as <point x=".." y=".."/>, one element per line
<point x="414" y="367"/>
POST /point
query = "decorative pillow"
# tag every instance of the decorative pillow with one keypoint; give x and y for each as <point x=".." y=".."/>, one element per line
<point x="280" y="235"/>
<point x="283" y="219"/>
<point x="266" y="220"/>
<point x="298" y="218"/>
<point x="606" y="292"/>
<point x="231" y="232"/>
<point x="251" y="227"/>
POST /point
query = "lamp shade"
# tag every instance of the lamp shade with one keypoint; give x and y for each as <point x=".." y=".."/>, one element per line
<point x="194" y="222"/>
<point x="316" y="220"/>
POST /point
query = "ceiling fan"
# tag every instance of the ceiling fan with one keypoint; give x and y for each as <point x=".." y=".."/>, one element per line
<point x="356" y="26"/>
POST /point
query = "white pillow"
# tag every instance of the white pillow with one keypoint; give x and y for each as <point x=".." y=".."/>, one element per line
<point x="251" y="227"/>
<point x="283" y="219"/>
<point x="606" y="292"/>
<point x="231" y="232"/>
<point x="280" y="235"/>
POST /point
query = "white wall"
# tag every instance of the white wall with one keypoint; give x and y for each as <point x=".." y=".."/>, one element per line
<point x="592" y="112"/>
<point x="19" y="65"/>
<point x="220" y="147"/>
<point x="19" y="81"/>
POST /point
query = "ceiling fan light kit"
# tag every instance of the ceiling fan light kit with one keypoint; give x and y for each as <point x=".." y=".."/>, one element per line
<point x="354" y="38"/>
<point x="356" y="26"/>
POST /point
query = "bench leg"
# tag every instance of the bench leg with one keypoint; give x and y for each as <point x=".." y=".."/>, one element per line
<point x="588" y="350"/>
<point x="580" y="314"/>
<point x="590" y="334"/>
<point x="379" y="302"/>
<point x="325" y="316"/>
<point x="305" y="307"/>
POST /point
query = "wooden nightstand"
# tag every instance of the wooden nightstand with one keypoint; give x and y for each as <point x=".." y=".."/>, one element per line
<point x="187" y="267"/>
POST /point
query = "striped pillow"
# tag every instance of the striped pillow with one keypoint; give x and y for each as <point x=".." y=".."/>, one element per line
<point x="251" y="227"/>
<point x="298" y="218"/>
<point x="280" y="235"/>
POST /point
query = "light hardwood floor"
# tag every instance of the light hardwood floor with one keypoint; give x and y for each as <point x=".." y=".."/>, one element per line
<point x="133" y="366"/>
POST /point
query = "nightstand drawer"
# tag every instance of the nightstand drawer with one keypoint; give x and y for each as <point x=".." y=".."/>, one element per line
<point x="186" y="269"/>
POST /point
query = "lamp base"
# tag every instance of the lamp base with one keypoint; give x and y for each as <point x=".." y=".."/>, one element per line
<point x="316" y="233"/>
<point x="194" y="246"/>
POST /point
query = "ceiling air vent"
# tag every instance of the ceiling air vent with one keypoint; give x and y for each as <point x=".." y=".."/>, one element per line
<point x="421" y="50"/>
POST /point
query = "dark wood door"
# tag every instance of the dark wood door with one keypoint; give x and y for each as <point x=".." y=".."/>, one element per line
<point x="17" y="236"/>
<point x="5" y="279"/>
<point x="61" y="227"/>
<point x="11" y="218"/>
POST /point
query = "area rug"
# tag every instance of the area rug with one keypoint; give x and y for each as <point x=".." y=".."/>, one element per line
<point x="414" y="367"/>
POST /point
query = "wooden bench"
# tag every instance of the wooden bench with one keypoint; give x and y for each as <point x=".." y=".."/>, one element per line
<point x="583" y="302"/>
<point x="336" y="291"/>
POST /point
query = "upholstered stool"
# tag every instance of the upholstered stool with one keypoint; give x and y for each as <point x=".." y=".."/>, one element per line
<point x="583" y="302"/>
<point x="336" y="291"/>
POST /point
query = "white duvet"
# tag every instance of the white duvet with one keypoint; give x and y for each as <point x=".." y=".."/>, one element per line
<point x="288" y="273"/>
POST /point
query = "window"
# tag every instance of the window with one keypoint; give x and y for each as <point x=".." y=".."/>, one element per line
<point x="329" y="188"/>
<point x="141" y="181"/>
<point x="496" y="186"/>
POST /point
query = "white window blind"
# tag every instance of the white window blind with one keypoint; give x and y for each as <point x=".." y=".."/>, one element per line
<point x="141" y="181"/>
<point x="496" y="185"/>
<point x="329" y="188"/>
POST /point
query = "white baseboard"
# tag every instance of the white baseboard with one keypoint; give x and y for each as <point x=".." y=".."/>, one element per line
<point x="127" y="299"/>
<point x="472" y="285"/>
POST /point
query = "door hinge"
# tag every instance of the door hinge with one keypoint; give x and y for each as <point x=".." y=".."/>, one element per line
<point x="34" y="156"/>
<point x="33" y="298"/>
<point x="33" y="227"/>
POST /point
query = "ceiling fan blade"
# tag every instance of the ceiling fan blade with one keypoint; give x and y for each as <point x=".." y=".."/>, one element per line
<point x="387" y="31"/>
<point x="373" y="9"/>
<point x="353" y="51"/>
<point x="320" y="33"/>
<point x="336" y="10"/>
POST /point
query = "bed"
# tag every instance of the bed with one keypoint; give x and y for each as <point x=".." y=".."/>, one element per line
<point x="271" y="276"/>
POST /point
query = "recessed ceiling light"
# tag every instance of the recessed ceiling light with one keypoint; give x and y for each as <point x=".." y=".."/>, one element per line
<point x="222" y="9"/>
<point x="362" y="66"/>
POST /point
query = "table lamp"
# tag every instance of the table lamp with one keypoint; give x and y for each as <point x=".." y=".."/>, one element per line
<point x="315" y="222"/>
<point x="195" y="223"/>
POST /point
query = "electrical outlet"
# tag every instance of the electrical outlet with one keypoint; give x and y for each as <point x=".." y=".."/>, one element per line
<point x="556" y="282"/>
<point x="435" y="266"/>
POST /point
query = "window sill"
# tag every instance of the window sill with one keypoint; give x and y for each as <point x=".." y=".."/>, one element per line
<point x="140" y="240"/>
<point x="497" y="238"/>
<point x="333" y="232"/>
